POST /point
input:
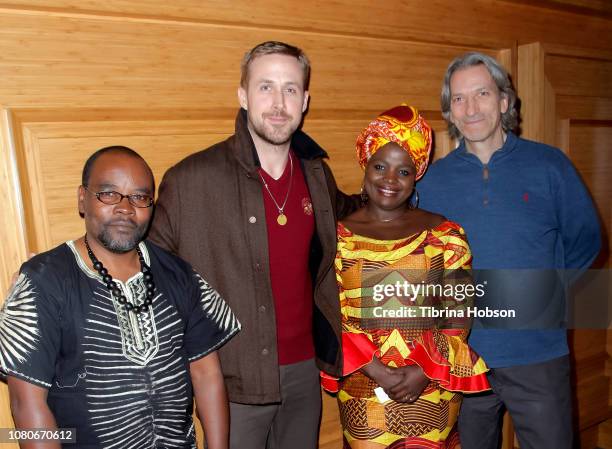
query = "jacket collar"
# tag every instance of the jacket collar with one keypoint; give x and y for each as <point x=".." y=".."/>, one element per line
<point x="245" y="153"/>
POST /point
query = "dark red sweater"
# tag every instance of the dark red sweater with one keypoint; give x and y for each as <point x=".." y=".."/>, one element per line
<point x="289" y="249"/>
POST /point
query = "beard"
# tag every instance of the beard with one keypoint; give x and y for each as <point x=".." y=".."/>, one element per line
<point x="271" y="134"/>
<point x="121" y="242"/>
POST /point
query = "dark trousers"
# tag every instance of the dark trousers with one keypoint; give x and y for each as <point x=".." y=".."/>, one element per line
<point x="291" y="424"/>
<point x="538" y="398"/>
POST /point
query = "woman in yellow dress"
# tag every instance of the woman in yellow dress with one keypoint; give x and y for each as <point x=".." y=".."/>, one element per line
<point x="404" y="278"/>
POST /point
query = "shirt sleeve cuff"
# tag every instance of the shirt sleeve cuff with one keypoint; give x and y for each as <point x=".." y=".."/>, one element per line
<point x="357" y="350"/>
<point x="443" y="374"/>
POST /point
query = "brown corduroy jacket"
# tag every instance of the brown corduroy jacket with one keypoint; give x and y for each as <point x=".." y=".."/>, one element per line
<point x="210" y="212"/>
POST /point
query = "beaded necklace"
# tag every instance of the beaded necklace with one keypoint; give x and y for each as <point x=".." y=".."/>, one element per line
<point x="116" y="290"/>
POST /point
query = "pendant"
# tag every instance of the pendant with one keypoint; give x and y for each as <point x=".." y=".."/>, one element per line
<point x="281" y="219"/>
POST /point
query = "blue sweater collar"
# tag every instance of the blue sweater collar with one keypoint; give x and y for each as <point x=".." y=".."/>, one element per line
<point x="507" y="148"/>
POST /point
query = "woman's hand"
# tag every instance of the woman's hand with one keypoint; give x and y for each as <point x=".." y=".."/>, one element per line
<point x="412" y="383"/>
<point x="385" y="376"/>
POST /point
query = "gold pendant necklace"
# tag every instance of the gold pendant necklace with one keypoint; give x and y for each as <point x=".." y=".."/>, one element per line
<point x="281" y="219"/>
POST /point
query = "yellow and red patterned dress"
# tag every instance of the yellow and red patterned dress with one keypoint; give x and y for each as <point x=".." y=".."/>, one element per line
<point x="378" y="324"/>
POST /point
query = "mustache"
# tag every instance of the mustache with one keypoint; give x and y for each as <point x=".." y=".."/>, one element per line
<point x="281" y="114"/>
<point x="122" y="222"/>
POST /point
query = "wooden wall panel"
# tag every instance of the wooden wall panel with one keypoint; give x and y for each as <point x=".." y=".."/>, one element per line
<point x="54" y="155"/>
<point x="590" y="151"/>
<point x="580" y="76"/>
<point x="597" y="8"/>
<point x="12" y="231"/>
<point x="590" y="382"/>
<point x="479" y="23"/>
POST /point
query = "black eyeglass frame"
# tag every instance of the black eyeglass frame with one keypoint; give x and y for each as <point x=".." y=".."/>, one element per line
<point x="129" y="197"/>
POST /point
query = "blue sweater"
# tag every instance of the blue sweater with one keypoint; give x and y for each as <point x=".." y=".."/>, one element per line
<point x="526" y="209"/>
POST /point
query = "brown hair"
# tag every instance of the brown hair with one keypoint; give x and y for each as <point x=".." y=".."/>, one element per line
<point x="274" y="48"/>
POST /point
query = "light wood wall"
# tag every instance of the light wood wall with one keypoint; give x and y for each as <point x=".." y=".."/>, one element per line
<point x="161" y="77"/>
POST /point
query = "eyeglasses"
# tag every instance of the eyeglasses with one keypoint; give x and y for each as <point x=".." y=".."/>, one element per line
<point x="111" y="197"/>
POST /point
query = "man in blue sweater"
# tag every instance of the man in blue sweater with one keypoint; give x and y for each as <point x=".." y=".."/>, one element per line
<point x="526" y="213"/>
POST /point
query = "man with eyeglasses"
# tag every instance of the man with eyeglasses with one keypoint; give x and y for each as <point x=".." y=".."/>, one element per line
<point x="107" y="338"/>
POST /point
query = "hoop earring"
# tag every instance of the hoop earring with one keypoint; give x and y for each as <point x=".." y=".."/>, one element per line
<point x="364" y="196"/>
<point x="414" y="200"/>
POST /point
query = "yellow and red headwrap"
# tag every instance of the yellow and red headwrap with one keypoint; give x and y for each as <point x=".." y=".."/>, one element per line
<point x="402" y="125"/>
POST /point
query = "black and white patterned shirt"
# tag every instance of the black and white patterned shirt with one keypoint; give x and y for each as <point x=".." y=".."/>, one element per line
<point x="121" y="379"/>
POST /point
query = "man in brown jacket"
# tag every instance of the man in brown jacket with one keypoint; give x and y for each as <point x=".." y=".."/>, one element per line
<point x="256" y="215"/>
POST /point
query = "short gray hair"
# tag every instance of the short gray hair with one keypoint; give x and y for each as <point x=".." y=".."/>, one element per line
<point x="509" y="119"/>
<point x="274" y="48"/>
